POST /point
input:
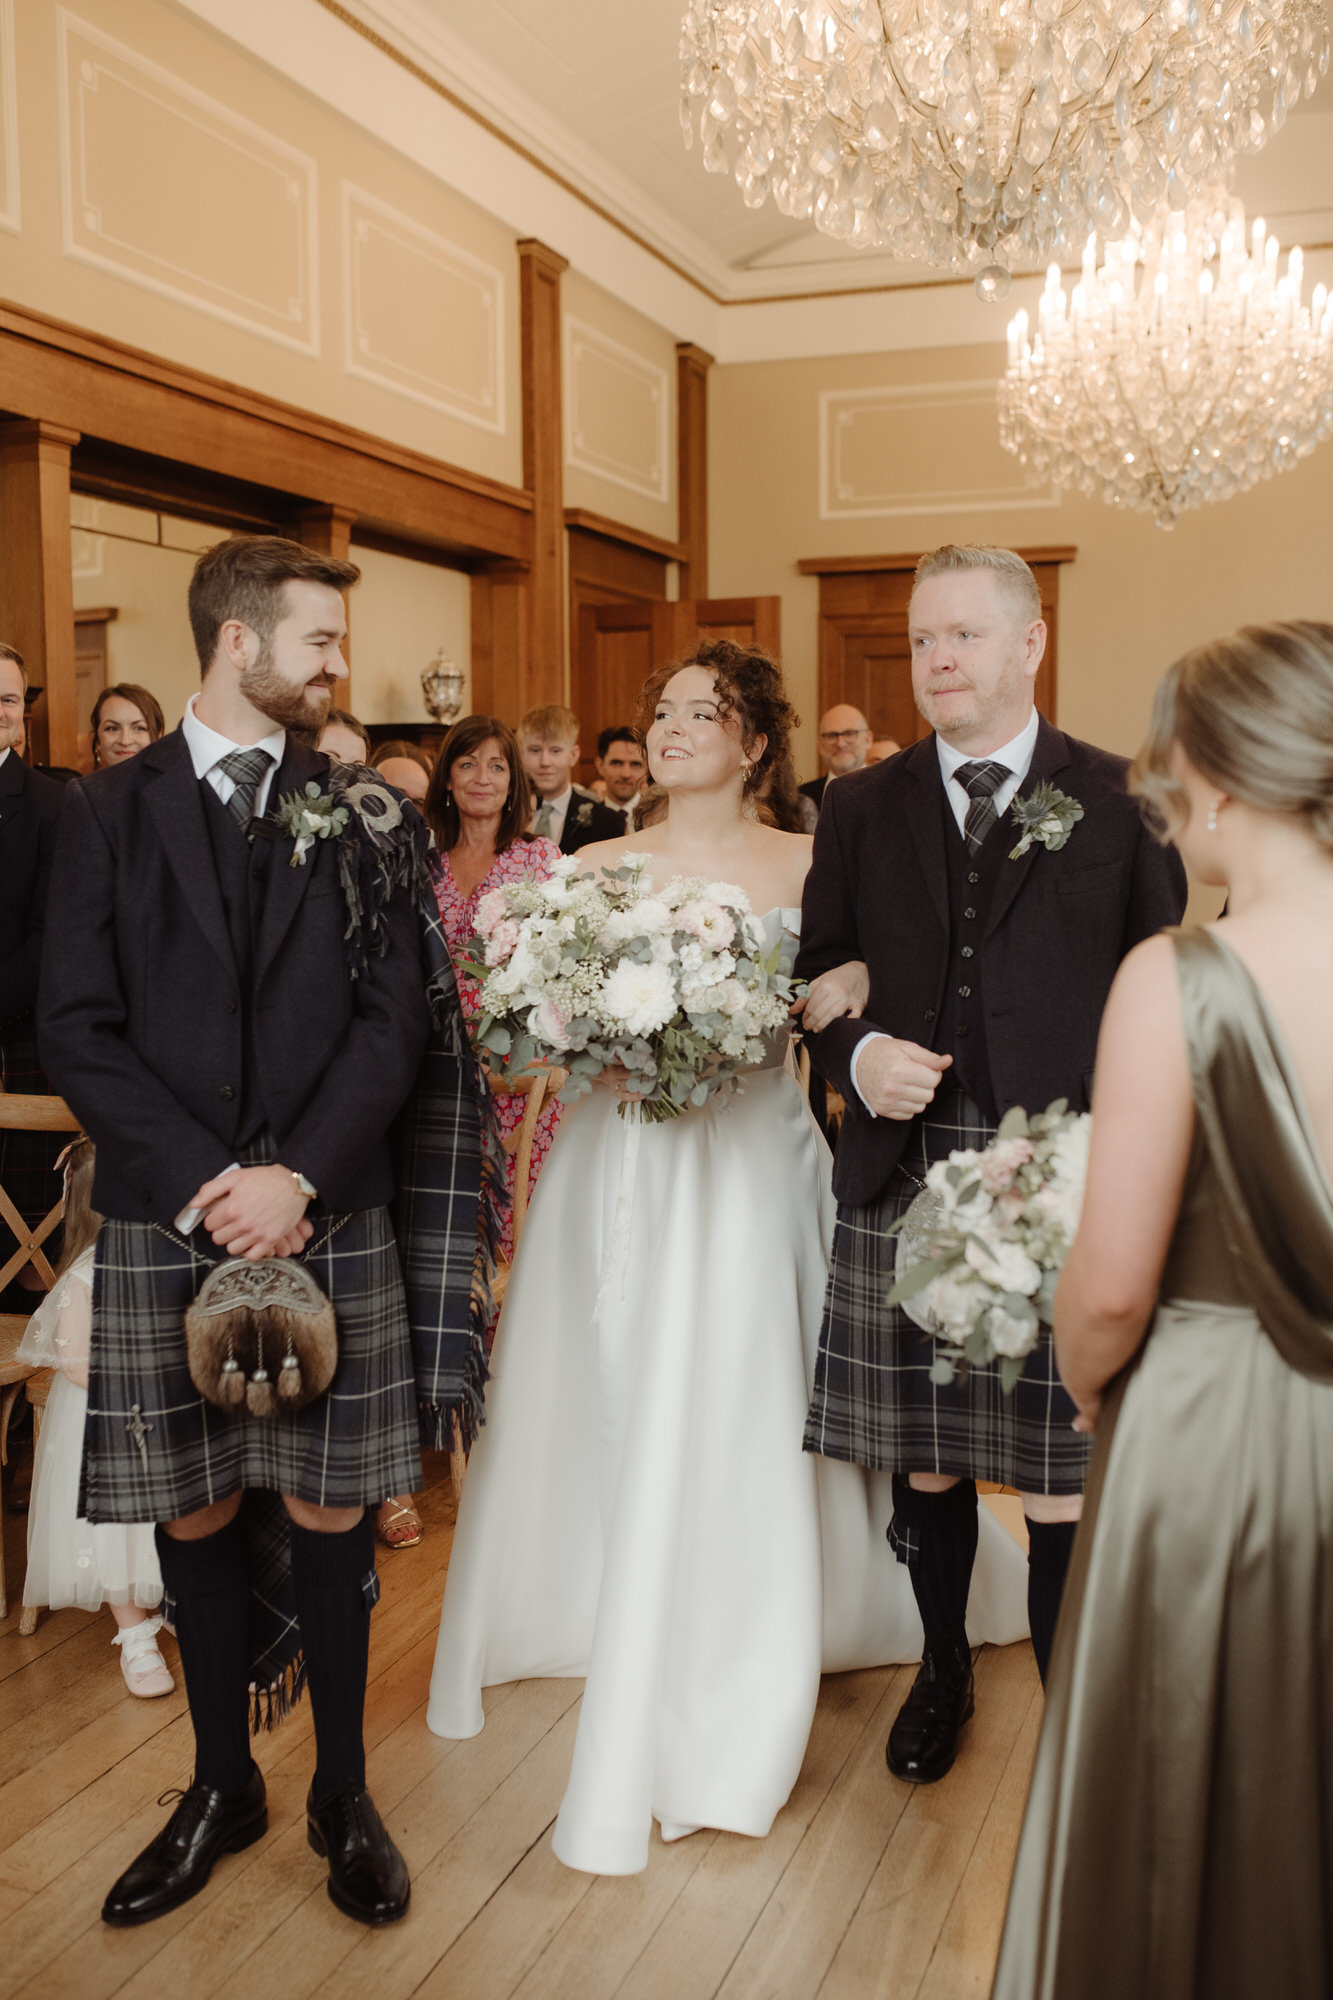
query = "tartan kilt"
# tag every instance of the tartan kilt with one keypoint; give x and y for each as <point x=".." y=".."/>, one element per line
<point x="874" y="1402"/>
<point x="154" y="1449"/>
<point x="28" y="1159"/>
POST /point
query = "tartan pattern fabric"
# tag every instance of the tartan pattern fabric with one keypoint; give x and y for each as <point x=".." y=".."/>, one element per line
<point x="247" y="770"/>
<point x="28" y="1159"/>
<point x="981" y="781"/>
<point x="874" y="1402"/>
<point x="154" y="1449"/>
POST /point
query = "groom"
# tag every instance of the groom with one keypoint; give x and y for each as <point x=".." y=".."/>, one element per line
<point x="988" y="976"/>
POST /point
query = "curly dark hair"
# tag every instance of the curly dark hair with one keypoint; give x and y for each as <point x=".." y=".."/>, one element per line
<point x="464" y="738"/>
<point x="748" y="684"/>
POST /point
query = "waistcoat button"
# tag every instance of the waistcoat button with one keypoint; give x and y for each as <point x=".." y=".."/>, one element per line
<point x="965" y="993"/>
<point x="968" y="951"/>
<point x="226" y="1092"/>
<point x="969" y="913"/>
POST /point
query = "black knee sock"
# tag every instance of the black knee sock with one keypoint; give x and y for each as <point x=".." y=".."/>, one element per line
<point x="328" y="1574"/>
<point x="938" y="1531"/>
<point x="1050" y="1544"/>
<point x="209" y="1585"/>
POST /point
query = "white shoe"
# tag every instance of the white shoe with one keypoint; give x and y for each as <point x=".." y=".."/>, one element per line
<point x="145" y="1670"/>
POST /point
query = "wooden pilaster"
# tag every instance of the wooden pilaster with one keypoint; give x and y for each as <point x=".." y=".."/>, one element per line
<point x="36" y="577"/>
<point x="545" y="676"/>
<point x="692" y="366"/>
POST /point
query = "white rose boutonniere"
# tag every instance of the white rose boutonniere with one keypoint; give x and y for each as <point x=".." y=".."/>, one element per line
<point x="309" y="816"/>
<point x="1046" y="815"/>
<point x="583" y="816"/>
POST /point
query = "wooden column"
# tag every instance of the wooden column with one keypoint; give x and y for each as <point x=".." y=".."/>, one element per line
<point x="328" y="531"/>
<point x="692" y="366"/>
<point x="545" y="677"/>
<point x="500" y="600"/>
<point x="36" y="578"/>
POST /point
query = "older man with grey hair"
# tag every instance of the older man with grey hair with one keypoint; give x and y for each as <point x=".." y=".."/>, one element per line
<point x="844" y="745"/>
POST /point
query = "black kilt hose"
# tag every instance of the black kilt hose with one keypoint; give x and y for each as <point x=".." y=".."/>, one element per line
<point x="874" y="1402"/>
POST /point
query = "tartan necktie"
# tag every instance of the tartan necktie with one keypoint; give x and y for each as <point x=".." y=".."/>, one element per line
<point x="541" y="826"/>
<point x="247" y="770"/>
<point x="980" y="781"/>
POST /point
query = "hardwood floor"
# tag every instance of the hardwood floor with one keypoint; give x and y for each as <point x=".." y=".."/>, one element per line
<point x="864" y="1890"/>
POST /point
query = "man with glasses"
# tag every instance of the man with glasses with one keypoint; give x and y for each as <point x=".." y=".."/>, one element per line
<point x="844" y="744"/>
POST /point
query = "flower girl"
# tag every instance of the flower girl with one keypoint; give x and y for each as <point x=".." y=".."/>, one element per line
<point x="69" y="1560"/>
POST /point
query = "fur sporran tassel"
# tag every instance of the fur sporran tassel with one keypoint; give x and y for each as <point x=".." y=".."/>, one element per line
<point x="259" y="1395"/>
<point x="231" y="1386"/>
<point x="289" y="1379"/>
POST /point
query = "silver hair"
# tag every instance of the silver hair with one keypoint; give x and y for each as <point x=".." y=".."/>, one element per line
<point x="1011" y="569"/>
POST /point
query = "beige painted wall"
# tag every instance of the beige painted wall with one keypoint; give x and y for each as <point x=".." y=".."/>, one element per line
<point x="141" y="567"/>
<point x="620" y="410"/>
<point x="401" y="614"/>
<point x="221" y="216"/>
<point x="1134" y="598"/>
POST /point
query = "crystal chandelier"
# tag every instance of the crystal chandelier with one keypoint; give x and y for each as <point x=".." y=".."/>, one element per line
<point x="988" y="132"/>
<point x="1182" y="371"/>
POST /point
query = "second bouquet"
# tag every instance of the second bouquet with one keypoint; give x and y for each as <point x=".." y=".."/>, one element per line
<point x="673" y="983"/>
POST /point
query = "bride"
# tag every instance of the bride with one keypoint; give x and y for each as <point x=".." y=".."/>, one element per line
<point x="639" y="1510"/>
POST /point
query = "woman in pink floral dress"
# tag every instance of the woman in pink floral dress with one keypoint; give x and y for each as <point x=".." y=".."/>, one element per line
<point x="478" y="808"/>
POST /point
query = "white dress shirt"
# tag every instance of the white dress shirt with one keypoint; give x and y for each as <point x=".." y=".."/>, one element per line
<point x="559" y="808"/>
<point x="207" y="749"/>
<point x="3" y="754"/>
<point x="1017" y="754"/>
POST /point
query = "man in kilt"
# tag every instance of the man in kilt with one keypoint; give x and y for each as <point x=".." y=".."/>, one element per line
<point x="239" y="1069"/>
<point x="988" y="976"/>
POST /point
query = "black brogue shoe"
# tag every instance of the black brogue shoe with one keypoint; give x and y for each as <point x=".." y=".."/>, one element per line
<point x="923" y="1742"/>
<point x="175" y="1866"/>
<point x="368" y="1877"/>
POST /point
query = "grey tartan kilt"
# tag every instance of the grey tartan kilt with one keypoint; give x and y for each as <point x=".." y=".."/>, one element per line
<point x="874" y="1402"/>
<point x="154" y="1449"/>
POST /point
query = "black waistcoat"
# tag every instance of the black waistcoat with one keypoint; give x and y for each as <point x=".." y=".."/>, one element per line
<point x="972" y="882"/>
<point x="243" y="867"/>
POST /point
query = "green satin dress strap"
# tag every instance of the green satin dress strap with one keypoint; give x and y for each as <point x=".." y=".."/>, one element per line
<point x="1276" y="1201"/>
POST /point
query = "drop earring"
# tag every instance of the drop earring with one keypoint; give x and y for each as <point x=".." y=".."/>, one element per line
<point x="1212" y="817"/>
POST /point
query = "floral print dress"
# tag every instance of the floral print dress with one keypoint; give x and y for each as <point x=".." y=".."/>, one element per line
<point x="458" y="913"/>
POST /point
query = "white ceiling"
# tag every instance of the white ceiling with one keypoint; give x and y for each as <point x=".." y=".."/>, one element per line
<point x="591" y="88"/>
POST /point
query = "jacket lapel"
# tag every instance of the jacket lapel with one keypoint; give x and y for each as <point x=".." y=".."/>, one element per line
<point x="926" y="822"/>
<point x="287" y="885"/>
<point x="1051" y="755"/>
<point x="174" y="805"/>
<point x="13" y="784"/>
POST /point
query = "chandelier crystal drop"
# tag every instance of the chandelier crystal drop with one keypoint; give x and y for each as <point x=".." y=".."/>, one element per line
<point x="969" y="133"/>
<point x="1180" y="372"/>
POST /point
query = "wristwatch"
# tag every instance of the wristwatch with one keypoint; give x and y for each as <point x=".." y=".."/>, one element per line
<point x="305" y="1186"/>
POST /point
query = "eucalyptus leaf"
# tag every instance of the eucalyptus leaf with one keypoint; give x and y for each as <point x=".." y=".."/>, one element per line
<point x="920" y="1276"/>
<point x="1014" y="1124"/>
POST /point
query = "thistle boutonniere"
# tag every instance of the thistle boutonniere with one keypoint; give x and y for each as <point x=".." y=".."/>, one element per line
<point x="1047" y="815"/>
<point x="309" y="816"/>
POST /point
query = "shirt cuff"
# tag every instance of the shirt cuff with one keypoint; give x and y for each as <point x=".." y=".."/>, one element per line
<point x="189" y="1218"/>
<point x="874" y="1036"/>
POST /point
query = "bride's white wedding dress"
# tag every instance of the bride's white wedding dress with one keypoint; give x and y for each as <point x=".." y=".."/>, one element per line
<point x="638" y="1509"/>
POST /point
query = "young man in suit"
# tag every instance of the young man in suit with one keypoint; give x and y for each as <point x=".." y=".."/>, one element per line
<point x="30" y="808"/>
<point x="988" y="976"/>
<point x="549" y="741"/>
<point x="238" y="1062"/>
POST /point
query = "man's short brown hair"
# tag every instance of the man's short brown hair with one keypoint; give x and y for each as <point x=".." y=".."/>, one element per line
<point x="1009" y="570"/>
<point x="552" y="724"/>
<point x="12" y="653"/>
<point x="244" y="578"/>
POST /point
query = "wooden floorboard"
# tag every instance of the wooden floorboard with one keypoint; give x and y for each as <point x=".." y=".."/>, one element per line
<point x="864" y="1890"/>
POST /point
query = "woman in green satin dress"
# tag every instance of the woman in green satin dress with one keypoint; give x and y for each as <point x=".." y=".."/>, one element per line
<point x="1178" y="1842"/>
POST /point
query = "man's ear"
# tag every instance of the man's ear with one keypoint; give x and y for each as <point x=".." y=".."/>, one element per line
<point x="577" y="754"/>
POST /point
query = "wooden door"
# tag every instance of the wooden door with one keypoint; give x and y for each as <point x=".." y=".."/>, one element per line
<point x="620" y="644"/>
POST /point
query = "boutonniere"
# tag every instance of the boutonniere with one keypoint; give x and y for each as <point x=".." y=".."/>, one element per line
<point x="309" y="816"/>
<point x="1047" y="815"/>
<point x="583" y="817"/>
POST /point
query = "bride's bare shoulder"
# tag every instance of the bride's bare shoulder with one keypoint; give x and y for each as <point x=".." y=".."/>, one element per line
<point x="600" y="854"/>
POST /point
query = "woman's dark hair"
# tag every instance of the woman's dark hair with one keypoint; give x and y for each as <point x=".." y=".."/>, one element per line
<point x="464" y="738"/>
<point x="748" y="684"/>
<point x="148" y="705"/>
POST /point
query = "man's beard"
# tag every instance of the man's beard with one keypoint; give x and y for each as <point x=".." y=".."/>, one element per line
<point x="291" y="707"/>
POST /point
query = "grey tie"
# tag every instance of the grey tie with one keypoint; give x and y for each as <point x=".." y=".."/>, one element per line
<point x="247" y="770"/>
<point x="981" y="781"/>
<point x="541" y="826"/>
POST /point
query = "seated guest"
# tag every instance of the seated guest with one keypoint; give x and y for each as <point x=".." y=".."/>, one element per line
<point x="566" y="814"/>
<point x="30" y="806"/>
<point x="404" y="766"/>
<point x="844" y="745"/>
<point x="126" y="719"/>
<point x="477" y="807"/>
<point x="346" y="739"/>
<point x="622" y="772"/>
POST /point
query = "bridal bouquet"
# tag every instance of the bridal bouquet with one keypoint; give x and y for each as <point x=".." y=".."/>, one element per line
<point x="980" y="1250"/>
<point x="674" y="983"/>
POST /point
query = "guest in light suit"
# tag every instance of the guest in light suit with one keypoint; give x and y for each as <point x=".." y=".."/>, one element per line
<point x="238" y="1062"/>
<point x="988" y="976"/>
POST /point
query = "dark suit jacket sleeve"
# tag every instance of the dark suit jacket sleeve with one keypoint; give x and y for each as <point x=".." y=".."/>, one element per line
<point x="1159" y="891"/>
<point x="829" y="938"/>
<point x="81" y="1018"/>
<point x="374" y="1070"/>
<point x="20" y="967"/>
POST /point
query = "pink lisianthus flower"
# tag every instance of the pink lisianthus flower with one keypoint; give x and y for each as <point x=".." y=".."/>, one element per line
<point x="707" y="921"/>
<point x="491" y="912"/>
<point x="1000" y="1162"/>
<point x="550" y="1023"/>
<point x="502" y="940"/>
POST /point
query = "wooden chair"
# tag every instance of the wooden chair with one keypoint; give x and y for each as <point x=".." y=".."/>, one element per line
<point x="24" y="1114"/>
<point x="538" y="1086"/>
